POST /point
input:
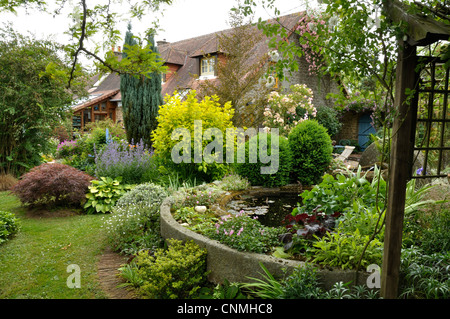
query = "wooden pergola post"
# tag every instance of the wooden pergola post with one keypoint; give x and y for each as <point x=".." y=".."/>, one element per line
<point x="400" y="166"/>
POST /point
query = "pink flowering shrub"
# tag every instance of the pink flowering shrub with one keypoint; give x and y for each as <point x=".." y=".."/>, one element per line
<point x="285" y="111"/>
<point x="67" y="148"/>
<point x="244" y="233"/>
<point x="307" y="29"/>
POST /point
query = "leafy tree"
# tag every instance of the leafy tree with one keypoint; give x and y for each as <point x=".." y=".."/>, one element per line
<point x="354" y="40"/>
<point x="94" y="18"/>
<point x="141" y="97"/>
<point x="33" y="99"/>
<point x="239" y="73"/>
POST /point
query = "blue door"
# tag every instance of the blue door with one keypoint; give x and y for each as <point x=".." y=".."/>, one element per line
<point x="365" y="128"/>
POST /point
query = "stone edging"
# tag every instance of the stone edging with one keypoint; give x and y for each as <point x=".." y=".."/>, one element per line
<point x="224" y="262"/>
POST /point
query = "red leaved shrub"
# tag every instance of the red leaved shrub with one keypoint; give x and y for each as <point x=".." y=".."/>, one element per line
<point x="52" y="184"/>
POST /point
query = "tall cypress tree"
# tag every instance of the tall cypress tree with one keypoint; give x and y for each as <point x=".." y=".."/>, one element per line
<point x="141" y="97"/>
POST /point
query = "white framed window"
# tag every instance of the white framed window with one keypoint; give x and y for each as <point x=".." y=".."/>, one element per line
<point x="207" y="66"/>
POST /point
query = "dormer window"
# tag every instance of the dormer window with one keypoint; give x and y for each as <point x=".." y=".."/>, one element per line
<point x="207" y="66"/>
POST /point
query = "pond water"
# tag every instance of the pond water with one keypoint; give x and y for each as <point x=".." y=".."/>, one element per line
<point x="271" y="209"/>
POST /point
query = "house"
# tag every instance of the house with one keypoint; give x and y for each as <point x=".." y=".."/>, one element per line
<point x="104" y="100"/>
<point x="193" y="60"/>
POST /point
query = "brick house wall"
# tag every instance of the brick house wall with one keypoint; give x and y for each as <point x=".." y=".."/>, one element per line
<point x="349" y="129"/>
<point x="320" y="86"/>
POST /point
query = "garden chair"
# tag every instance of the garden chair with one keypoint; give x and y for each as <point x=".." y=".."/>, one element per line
<point x="345" y="153"/>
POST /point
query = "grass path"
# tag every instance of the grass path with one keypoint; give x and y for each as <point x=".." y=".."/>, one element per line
<point x="34" y="263"/>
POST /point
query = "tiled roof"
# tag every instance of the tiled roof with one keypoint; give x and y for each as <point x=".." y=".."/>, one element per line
<point x="185" y="54"/>
<point x="204" y="45"/>
<point x="95" y="98"/>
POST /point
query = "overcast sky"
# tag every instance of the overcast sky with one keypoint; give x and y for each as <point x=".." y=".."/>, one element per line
<point x="189" y="18"/>
<point x="182" y="20"/>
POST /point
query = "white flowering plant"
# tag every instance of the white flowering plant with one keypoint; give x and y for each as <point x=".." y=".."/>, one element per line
<point x="134" y="227"/>
<point x="285" y="111"/>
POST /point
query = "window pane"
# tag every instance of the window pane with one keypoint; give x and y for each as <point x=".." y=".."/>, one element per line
<point x="207" y="66"/>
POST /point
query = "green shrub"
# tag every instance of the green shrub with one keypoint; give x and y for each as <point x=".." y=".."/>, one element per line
<point x="103" y="194"/>
<point x="337" y="194"/>
<point x="175" y="273"/>
<point x="227" y="290"/>
<point x="9" y="225"/>
<point x="143" y="194"/>
<point x="342" y="290"/>
<point x="303" y="283"/>
<point x="252" y="171"/>
<point x="182" y="114"/>
<point x="362" y="218"/>
<point x="197" y="197"/>
<point x="199" y="222"/>
<point x="55" y="185"/>
<point x="328" y="118"/>
<point x="311" y="149"/>
<point x="244" y="233"/>
<point x="344" y="250"/>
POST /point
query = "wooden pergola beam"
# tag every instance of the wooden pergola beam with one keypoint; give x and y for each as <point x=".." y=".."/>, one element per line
<point x="421" y="30"/>
<point x="400" y="165"/>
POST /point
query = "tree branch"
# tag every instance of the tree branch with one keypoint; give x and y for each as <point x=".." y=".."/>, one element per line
<point x="80" y="43"/>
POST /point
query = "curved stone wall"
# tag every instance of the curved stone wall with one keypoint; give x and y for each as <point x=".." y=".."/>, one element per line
<point x="224" y="262"/>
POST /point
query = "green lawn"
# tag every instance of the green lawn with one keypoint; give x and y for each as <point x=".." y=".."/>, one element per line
<point x="33" y="264"/>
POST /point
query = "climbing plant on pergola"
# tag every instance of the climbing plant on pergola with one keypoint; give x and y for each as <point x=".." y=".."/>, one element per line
<point x="412" y="128"/>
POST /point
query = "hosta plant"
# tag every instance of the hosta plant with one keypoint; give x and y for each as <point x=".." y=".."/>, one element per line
<point x="103" y="194"/>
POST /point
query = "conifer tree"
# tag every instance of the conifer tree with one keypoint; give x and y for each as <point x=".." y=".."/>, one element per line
<point x="141" y="97"/>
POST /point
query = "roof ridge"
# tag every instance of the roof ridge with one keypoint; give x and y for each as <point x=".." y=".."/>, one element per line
<point x="224" y="30"/>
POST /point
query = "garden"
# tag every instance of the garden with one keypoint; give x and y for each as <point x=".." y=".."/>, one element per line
<point x="276" y="196"/>
<point x="98" y="191"/>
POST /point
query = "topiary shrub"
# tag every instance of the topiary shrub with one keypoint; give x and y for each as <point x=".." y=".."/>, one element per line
<point x="53" y="185"/>
<point x="311" y="149"/>
<point x="252" y="171"/>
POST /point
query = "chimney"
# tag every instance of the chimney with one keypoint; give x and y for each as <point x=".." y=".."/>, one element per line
<point x="117" y="53"/>
<point x="161" y="42"/>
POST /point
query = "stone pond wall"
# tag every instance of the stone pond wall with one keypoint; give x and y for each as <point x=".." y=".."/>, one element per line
<point x="224" y="262"/>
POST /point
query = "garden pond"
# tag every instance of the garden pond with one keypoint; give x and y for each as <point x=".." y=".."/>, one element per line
<point x="270" y="208"/>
